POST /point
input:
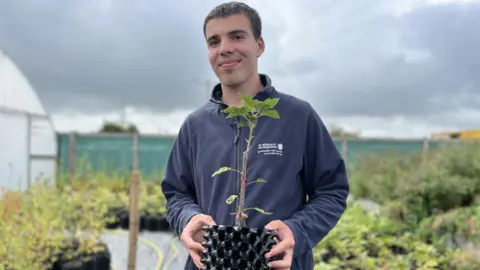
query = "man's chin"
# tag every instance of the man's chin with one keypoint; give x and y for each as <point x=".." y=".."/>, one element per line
<point x="230" y="80"/>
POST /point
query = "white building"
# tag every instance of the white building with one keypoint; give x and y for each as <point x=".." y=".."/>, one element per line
<point x="28" y="146"/>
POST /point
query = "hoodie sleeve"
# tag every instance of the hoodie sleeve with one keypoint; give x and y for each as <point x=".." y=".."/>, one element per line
<point x="326" y="184"/>
<point x="177" y="184"/>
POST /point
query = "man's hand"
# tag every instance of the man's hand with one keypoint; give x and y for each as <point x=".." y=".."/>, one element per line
<point x="284" y="246"/>
<point x="192" y="237"/>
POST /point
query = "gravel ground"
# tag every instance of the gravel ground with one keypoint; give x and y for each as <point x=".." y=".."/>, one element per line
<point x="154" y="249"/>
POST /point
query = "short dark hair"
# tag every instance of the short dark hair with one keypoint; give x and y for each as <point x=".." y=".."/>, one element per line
<point x="232" y="8"/>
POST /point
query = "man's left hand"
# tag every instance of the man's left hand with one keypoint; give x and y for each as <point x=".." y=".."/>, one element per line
<point x="284" y="246"/>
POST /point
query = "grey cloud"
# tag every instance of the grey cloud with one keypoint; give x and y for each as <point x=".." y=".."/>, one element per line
<point x="393" y="85"/>
<point x="145" y="53"/>
<point x="151" y="54"/>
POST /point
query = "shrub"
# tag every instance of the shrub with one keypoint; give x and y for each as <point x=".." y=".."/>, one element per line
<point x="367" y="241"/>
<point x="415" y="187"/>
<point x="377" y="176"/>
<point x="455" y="228"/>
<point x="39" y="225"/>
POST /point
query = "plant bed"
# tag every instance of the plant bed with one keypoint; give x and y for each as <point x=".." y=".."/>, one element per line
<point x="238" y="246"/>
<point x="366" y="240"/>
<point x="72" y="257"/>
<point x="113" y="216"/>
<point x="142" y="223"/>
<point x="124" y="217"/>
<point x="147" y="222"/>
<point x="156" y="223"/>
<point x="99" y="260"/>
<point x="164" y="225"/>
<point x="45" y="225"/>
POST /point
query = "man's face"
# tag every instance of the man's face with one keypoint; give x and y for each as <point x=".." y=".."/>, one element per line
<point x="232" y="49"/>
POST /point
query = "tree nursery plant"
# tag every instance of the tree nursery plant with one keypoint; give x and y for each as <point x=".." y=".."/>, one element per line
<point x="48" y="228"/>
<point x="240" y="247"/>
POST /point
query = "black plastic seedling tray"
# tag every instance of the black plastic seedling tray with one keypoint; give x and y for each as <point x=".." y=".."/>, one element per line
<point x="230" y="247"/>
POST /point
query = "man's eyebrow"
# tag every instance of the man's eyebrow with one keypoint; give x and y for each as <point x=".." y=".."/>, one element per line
<point x="233" y="32"/>
<point x="239" y="31"/>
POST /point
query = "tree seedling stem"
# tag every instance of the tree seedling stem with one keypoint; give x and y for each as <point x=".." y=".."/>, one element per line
<point x="250" y="110"/>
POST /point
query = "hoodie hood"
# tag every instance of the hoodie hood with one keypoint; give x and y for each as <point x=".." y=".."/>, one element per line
<point x="268" y="89"/>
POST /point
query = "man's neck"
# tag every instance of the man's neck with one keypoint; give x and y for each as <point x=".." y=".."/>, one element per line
<point x="251" y="87"/>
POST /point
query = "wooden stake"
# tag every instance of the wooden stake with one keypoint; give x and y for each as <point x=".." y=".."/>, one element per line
<point x="134" y="219"/>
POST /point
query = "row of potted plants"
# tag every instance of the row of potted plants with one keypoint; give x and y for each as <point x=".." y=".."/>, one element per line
<point x="365" y="240"/>
<point x="59" y="227"/>
<point x="112" y="193"/>
<point x="48" y="228"/>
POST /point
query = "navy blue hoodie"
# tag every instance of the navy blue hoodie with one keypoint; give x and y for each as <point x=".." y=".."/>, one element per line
<point x="295" y="155"/>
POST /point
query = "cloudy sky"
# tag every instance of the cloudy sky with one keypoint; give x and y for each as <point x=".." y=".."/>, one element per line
<point x="398" y="68"/>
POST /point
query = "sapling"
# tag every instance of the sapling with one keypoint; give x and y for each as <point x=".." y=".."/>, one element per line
<point x="250" y="110"/>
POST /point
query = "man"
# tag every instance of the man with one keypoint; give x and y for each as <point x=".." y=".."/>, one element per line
<point x="304" y="164"/>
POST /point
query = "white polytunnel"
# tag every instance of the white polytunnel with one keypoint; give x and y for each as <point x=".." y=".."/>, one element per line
<point x="28" y="145"/>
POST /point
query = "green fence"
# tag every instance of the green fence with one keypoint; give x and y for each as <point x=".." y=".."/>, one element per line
<point x="117" y="152"/>
<point x="113" y="153"/>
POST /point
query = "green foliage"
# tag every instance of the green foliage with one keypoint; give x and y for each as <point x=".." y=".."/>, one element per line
<point x="37" y="225"/>
<point x="363" y="240"/>
<point x="224" y="169"/>
<point x="453" y="228"/>
<point x="433" y="198"/>
<point x="40" y="223"/>
<point x="414" y="187"/>
<point x="339" y="132"/>
<point x="231" y="199"/>
<point x="250" y="111"/>
<point x="117" y="128"/>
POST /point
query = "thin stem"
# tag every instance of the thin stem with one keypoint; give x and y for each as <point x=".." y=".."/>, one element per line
<point x="240" y="219"/>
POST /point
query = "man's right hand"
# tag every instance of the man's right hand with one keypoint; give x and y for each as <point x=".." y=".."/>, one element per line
<point x="192" y="237"/>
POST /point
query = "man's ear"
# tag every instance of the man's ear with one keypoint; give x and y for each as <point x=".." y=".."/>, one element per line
<point x="261" y="46"/>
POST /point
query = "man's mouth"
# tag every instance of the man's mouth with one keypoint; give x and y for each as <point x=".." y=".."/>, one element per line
<point x="229" y="63"/>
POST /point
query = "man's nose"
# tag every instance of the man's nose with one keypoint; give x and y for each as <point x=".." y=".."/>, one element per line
<point x="226" y="47"/>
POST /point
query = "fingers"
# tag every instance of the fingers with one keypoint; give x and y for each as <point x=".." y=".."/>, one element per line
<point x="284" y="263"/>
<point x="280" y="248"/>
<point x="192" y="245"/>
<point x="192" y="232"/>
<point x="209" y="221"/>
<point x="204" y="220"/>
<point x="194" y="249"/>
<point x="196" y="259"/>
<point x="274" y="225"/>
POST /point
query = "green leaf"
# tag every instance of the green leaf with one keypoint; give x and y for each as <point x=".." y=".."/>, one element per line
<point x="259" y="180"/>
<point x="222" y="170"/>
<point x="235" y="111"/>
<point x="271" y="102"/>
<point x="243" y="124"/>
<point x="261" y="211"/>
<point x="271" y="113"/>
<point x="231" y="199"/>
<point x="248" y="102"/>
<point x="231" y="115"/>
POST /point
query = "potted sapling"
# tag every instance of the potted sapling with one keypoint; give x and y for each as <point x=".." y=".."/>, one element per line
<point x="238" y="246"/>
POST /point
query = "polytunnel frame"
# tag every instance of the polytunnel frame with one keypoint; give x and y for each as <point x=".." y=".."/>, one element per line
<point x="31" y="156"/>
<point x="45" y="115"/>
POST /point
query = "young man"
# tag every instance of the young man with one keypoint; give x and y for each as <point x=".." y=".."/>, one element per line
<point x="304" y="163"/>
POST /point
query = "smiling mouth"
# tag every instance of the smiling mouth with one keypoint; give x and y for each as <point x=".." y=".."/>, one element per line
<point x="229" y="63"/>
